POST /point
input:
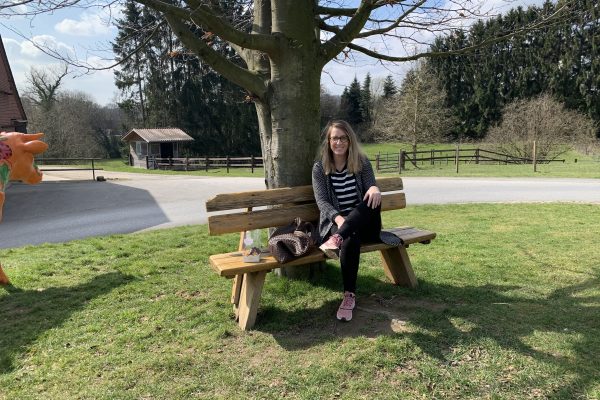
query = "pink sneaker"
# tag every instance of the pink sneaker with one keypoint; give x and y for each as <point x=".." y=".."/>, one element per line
<point x="344" y="313"/>
<point x="331" y="247"/>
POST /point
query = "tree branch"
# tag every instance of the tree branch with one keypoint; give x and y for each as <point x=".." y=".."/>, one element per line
<point x="395" y="24"/>
<point x="202" y="15"/>
<point x="345" y="35"/>
<point x="242" y="77"/>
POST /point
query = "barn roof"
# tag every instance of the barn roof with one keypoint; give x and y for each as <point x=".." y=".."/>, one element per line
<point x="11" y="108"/>
<point x="157" y="135"/>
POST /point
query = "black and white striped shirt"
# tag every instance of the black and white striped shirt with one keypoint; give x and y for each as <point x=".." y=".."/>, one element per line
<point x="344" y="186"/>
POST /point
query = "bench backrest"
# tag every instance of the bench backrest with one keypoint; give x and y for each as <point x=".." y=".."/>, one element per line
<point x="282" y="206"/>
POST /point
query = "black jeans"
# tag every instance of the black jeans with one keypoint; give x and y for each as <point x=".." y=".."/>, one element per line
<point x="362" y="225"/>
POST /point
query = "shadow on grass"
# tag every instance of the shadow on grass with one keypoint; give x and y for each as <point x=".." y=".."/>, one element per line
<point x="27" y="314"/>
<point x="458" y="318"/>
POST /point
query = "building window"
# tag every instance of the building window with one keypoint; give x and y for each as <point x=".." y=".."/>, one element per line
<point x="141" y="149"/>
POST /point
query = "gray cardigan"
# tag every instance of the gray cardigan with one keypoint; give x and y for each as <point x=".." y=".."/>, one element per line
<point x="327" y="201"/>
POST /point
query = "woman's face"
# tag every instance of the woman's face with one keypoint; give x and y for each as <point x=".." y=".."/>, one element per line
<point x="338" y="142"/>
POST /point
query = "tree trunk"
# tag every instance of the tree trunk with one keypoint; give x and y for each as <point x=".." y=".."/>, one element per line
<point x="289" y="121"/>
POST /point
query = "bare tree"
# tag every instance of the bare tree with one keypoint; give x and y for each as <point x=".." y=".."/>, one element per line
<point x="545" y="121"/>
<point x="44" y="84"/>
<point x="417" y="113"/>
<point x="284" y="47"/>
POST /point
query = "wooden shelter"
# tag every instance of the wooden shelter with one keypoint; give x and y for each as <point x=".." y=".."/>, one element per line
<point x="12" y="115"/>
<point x="145" y="145"/>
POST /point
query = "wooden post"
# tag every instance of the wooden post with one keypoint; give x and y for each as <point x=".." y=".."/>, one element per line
<point x="399" y="162"/>
<point x="252" y="163"/>
<point x="403" y="159"/>
<point x="377" y="162"/>
<point x="457" y="157"/>
<point x="93" y="171"/>
<point x="534" y="158"/>
<point x="147" y="164"/>
<point x="206" y="164"/>
<point x="432" y="157"/>
<point x="3" y="278"/>
<point x="227" y="164"/>
<point x="477" y="155"/>
<point x="171" y="163"/>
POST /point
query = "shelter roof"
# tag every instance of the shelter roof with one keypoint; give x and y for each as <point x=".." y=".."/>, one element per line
<point x="157" y="135"/>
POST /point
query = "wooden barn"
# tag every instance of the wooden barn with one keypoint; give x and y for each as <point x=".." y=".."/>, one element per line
<point x="145" y="145"/>
<point x="12" y="115"/>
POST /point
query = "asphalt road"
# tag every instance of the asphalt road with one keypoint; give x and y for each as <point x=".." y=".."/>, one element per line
<point x="61" y="210"/>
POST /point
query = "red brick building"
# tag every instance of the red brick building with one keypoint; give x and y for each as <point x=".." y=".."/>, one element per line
<point x="12" y="115"/>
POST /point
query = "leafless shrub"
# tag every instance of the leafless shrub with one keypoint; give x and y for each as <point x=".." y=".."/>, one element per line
<point x="545" y="120"/>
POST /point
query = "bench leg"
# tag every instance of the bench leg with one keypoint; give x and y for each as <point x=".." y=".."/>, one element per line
<point x="249" y="298"/>
<point x="397" y="266"/>
<point x="235" y="294"/>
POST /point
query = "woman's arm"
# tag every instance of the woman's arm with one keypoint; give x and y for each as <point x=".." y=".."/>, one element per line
<point x="373" y="194"/>
<point x="321" y="194"/>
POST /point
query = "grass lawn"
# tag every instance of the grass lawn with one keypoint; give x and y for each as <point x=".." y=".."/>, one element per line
<point x="508" y="307"/>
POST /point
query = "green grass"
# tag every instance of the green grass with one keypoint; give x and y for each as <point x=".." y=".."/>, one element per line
<point x="508" y="307"/>
<point x="576" y="165"/>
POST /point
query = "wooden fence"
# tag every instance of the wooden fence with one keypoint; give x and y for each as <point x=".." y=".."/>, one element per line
<point x="204" y="163"/>
<point x="397" y="161"/>
<point x="68" y="164"/>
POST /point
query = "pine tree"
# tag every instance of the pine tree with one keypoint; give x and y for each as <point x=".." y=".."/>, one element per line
<point x="366" y="100"/>
<point x="389" y="87"/>
<point x="351" y="103"/>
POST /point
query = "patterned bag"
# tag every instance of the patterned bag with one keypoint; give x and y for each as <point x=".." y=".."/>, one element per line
<point x="293" y="240"/>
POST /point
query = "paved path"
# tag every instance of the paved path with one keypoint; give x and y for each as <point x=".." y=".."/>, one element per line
<point x="61" y="209"/>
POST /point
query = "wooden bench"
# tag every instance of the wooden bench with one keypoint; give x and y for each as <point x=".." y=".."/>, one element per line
<point x="240" y="215"/>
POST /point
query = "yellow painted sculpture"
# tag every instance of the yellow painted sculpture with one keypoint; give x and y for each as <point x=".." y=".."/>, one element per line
<point x="16" y="164"/>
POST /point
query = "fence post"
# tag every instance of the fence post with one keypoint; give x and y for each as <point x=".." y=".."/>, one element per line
<point x="206" y="164"/>
<point x="399" y="159"/>
<point x="227" y="164"/>
<point x="477" y="155"/>
<point x="147" y="164"/>
<point x="432" y="156"/>
<point x="402" y="160"/>
<point x="93" y="171"/>
<point x="252" y="163"/>
<point x="457" y="157"/>
<point x="377" y="162"/>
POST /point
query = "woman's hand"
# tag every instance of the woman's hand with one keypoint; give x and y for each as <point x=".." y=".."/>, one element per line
<point x="339" y="221"/>
<point x="373" y="197"/>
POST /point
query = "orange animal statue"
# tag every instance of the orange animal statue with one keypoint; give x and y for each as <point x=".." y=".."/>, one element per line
<point x="16" y="164"/>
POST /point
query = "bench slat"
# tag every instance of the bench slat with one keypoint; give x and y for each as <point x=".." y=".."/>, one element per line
<point x="231" y="264"/>
<point x="272" y="217"/>
<point x="258" y="198"/>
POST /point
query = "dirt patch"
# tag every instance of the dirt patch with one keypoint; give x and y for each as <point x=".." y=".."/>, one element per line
<point x="375" y="315"/>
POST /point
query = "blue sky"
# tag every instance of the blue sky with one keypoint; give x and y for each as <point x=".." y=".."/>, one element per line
<point x="86" y="34"/>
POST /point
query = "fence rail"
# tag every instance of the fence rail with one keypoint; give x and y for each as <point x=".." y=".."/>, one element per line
<point x="65" y="162"/>
<point x="397" y="161"/>
<point x="203" y="163"/>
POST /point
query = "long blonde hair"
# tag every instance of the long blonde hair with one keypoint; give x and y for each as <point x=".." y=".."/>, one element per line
<point x="355" y="152"/>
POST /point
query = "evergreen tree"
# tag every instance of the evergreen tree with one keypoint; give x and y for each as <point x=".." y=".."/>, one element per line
<point x="389" y="87"/>
<point x="351" y="103"/>
<point x="366" y="102"/>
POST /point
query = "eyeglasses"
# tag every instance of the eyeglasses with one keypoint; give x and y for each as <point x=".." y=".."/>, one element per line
<point x="340" y="139"/>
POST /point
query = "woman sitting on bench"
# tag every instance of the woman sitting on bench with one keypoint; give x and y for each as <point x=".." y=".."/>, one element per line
<point x="349" y="203"/>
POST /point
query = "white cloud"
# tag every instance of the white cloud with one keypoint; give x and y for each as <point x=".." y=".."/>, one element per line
<point x="87" y="25"/>
<point x="33" y="48"/>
